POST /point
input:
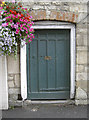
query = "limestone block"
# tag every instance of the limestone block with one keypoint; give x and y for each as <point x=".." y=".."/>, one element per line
<point x="81" y="76"/>
<point x="85" y="39"/>
<point x="80" y="42"/>
<point x="37" y="7"/>
<point x="11" y="84"/>
<point x="82" y="48"/>
<point x="81" y="102"/>
<point x="81" y="57"/>
<point x="44" y="3"/>
<point x="14" y="90"/>
<point x="17" y="80"/>
<point x="86" y="68"/>
<point x="56" y="3"/>
<point x="79" y="68"/>
<point x="82" y="84"/>
<point x="88" y="58"/>
<point x="81" y="94"/>
<point x="78" y="7"/>
<point x="11" y="77"/>
<point x="81" y="30"/>
<point x="13" y="64"/>
<point x="13" y="96"/>
<point x="52" y="7"/>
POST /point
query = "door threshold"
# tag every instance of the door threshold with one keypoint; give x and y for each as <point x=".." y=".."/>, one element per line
<point x="27" y="102"/>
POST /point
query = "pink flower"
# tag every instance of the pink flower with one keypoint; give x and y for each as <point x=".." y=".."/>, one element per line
<point x="26" y="32"/>
<point x="30" y="16"/>
<point x="4" y="24"/>
<point x="21" y="25"/>
<point x="13" y="16"/>
<point x="28" y="36"/>
<point x="25" y="28"/>
<point x="13" y="1"/>
<point x="25" y="8"/>
<point x="32" y="22"/>
<point x="5" y="11"/>
<point x="1" y="7"/>
<point x="12" y="26"/>
<point x="15" y="26"/>
<point x="21" y="29"/>
<point x="17" y="23"/>
<point x="10" y="20"/>
<point x="17" y="31"/>
<point x="31" y="29"/>
<point x="21" y="19"/>
<point x="24" y="24"/>
<point x="25" y="20"/>
<point x="30" y="40"/>
<point x="33" y="36"/>
<point x="28" y="26"/>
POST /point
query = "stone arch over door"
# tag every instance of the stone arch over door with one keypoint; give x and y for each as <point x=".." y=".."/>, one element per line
<point x="62" y="16"/>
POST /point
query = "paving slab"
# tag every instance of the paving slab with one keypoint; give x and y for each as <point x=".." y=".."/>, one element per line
<point x="46" y="111"/>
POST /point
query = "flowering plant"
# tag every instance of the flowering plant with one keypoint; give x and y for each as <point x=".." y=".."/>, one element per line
<point x="16" y="26"/>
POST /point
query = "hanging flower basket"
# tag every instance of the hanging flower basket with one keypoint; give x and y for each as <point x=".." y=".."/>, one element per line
<point x="16" y="26"/>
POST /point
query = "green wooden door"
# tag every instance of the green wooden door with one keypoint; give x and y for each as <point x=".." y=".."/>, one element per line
<point x="48" y="65"/>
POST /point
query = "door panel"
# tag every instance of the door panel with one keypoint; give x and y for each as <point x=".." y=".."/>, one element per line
<point x="48" y="65"/>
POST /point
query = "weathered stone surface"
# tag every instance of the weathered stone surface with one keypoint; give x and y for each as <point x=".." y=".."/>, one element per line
<point x="38" y="14"/>
<point x="81" y="57"/>
<point x="81" y="102"/>
<point x="13" y="97"/>
<point x="63" y="16"/>
<point x="80" y="42"/>
<point x="13" y="64"/>
<point x="80" y="68"/>
<point x="81" y="94"/>
<point x="11" y="77"/>
<point x="14" y="90"/>
<point x="82" y="84"/>
<point x="82" y="48"/>
<point x="17" y="80"/>
<point x="81" y="76"/>
<point x="13" y="103"/>
<point x="11" y="84"/>
<point x="87" y="69"/>
<point x="36" y="7"/>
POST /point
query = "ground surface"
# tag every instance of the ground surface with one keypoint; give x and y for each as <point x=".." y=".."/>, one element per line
<point x="46" y="111"/>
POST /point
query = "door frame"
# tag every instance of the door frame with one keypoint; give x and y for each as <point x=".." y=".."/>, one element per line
<point x="51" y="25"/>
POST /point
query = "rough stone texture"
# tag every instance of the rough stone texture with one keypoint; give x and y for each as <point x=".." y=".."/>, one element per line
<point x="81" y="102"/>
<point x="81" y="94"/>
<point x="13" y="64"/>
<point x="74" y="12"/>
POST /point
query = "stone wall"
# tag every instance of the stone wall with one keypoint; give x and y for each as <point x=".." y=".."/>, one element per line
<point x="14" y="82"/>
<point x="78" y="13"/>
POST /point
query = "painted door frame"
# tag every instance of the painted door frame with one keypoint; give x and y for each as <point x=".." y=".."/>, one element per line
<point x="51" y="25"/>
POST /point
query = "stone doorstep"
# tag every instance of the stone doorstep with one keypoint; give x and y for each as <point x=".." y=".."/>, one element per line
<point x="27" y="102"/>
<point x="20" y="103"/>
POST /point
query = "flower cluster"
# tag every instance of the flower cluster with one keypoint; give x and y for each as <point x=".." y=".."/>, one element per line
<point x="16" y="26"/>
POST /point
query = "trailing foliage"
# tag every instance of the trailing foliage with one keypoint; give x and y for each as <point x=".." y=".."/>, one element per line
<point x="16" y="26"/>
